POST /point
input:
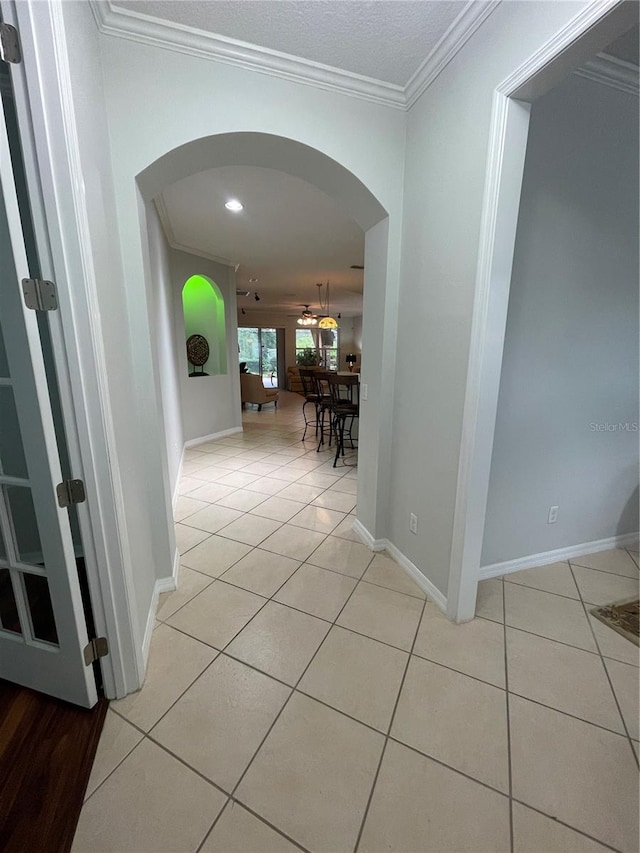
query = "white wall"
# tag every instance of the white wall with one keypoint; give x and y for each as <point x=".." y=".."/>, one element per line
<point x="446" y="155"/>
<point x="146" y="547"/>
<point x="348" y="343"/>
<point x="357" y="333"/>
<point x="169" y="369"/>
<point x="571" y="347"/>
<point x="158" y="100"/>
<point x="210" y="404"/>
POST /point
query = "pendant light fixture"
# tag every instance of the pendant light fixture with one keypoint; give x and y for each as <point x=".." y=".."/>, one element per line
<point x="327" y="322"/>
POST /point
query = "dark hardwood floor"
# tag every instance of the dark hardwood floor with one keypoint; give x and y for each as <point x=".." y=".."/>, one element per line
<point x="46" y="752"/>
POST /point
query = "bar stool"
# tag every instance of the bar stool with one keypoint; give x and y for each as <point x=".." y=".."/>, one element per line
<point x="307" y="377"/>
<point x="345" y="406"/>
<point x="324" y="405"/>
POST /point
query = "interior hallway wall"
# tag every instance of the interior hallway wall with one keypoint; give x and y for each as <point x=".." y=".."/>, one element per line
<point x="570" y="364"/>
<point x="159" y="99"/>
<point x="444" y="179"/>
<point x="210" y="404"/>
<point x="163" y="307"/>
<point x="147" y="547"/>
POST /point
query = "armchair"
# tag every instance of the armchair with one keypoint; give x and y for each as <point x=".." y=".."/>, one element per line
<point x="253" y="391"/>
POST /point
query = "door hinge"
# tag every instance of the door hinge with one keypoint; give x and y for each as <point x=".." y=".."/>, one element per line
<point x="70" y="492"/>
<point x="9" y="44"/>
<point x="39" y="295"/>
<point x="96" y="648"/>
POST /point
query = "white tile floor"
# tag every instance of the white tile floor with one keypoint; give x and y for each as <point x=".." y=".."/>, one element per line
<point x="302" y="694"/>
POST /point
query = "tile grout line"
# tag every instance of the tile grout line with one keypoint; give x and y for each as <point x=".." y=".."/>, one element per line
<point x="422" y="657"/>
<point x="554" y="640"/>
<point x="436" y="760"/>
<point x="505" y="578"/>
<point x="564" y="823"/>
<point x="216" y="481"/>
<point x="293" y="691"/>
<point x="388" y="732"/>
<point x="271" y="826"/>
<point x="608" y="676"/>
<point x="231" y="798"/>
<point x="148" y="734"/>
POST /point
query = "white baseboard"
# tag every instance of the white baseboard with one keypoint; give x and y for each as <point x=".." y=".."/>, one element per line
<point x="170" y="584"/>
<point x="212" y="436"/>
<point x="560" y="554"/>
<point x="431" y="591"/>
<point x="373" y="544"/>
<point x="148" y="631"/>
<point x="176" y="493"/>
<point x="160" y="586"/>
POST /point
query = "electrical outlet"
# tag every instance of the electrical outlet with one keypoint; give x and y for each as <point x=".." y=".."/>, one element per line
<point x="413" y="523"/>
<point x="364" y="390"/>
<point x="553" y="514"/>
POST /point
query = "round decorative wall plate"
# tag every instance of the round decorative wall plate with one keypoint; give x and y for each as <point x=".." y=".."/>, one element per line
<point x="197" y="350"/>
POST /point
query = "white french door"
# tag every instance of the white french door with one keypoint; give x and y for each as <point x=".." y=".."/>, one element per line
<point x="42" y="625"/>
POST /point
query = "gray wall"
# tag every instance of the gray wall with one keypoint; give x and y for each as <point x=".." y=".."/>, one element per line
<point x="163" y="310"/>
<point x="571" y="349"/>
<point x="444" y="181"/>
<point x="210" y="404"/>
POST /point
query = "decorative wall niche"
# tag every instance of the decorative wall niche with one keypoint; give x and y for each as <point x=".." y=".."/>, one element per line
<point x="203" y="313"/>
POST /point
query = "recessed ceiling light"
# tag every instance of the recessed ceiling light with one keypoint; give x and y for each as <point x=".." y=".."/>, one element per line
<point x="234" y="205"/>
<point x="252" y="280"/>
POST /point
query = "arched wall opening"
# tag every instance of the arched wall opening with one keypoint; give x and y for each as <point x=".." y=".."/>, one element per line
<point x="203" y="313"/>
<point x="379" y="322"/>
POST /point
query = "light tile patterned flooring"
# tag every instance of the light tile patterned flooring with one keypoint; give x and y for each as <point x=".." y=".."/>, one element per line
<point x="302" y="694"/>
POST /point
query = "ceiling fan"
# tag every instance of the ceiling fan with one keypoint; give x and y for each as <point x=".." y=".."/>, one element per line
<point x="306" y="317"/>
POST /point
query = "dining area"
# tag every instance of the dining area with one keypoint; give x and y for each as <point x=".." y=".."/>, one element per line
<point x="331" y="408"/>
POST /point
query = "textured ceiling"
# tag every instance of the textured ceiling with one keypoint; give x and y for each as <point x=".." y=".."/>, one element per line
<point x="383" y="39"/>
<point x="289" y="236"/>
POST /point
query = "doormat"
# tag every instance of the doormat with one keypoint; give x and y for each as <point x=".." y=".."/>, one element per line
<point x="623" y="617"/>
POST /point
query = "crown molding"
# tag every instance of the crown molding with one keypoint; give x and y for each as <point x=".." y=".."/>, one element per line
<point x="612" y="72"/>
<point x="472" y="16"/>
<point x="549" y="55"/>
<point x="144" y="29"/>
<point x="165" y="220"/>
<point x="201" y="253"/>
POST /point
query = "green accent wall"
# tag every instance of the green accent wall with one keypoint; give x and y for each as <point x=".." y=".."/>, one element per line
<point x="203" y="312"/>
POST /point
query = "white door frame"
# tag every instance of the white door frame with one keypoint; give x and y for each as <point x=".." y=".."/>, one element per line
<point x="52" y="162"/>
<point x="591" y="30"/>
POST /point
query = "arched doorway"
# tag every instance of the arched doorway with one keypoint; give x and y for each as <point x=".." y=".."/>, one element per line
<point x="315" y="167"/>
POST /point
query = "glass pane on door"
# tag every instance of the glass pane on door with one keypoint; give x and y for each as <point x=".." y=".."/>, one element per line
<point x="9" y="618"/>
<point x="258" y="348"/>
<point x="249" y="349"/>
<point x="269" y="348"/>
<point x="12" y="461"/>
<point x="43" y="624"/>
<point x="4" y="364"/>
<point x="25" y="525"/>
